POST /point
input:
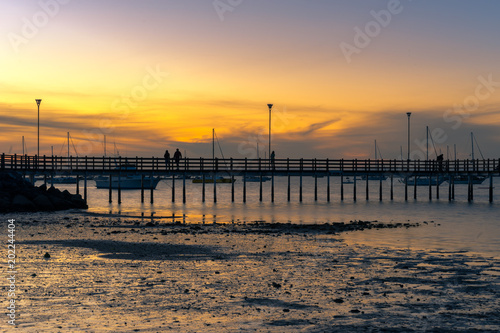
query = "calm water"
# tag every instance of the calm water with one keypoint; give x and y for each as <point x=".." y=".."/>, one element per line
<point x="452" y="226"/>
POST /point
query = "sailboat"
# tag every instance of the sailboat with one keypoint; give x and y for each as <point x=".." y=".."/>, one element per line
<point x="464" y="179"/>
<point x="129" y="180"/>
<point x="425" y="180"/>
<point x="65" y="179"/>
<point x="218" y="179"/>
<point x="375" y="177"/>
<point x="256" y="179"/>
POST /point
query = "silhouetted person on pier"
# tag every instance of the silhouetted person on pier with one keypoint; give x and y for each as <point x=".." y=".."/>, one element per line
<point x="440" y="162"/>
<point x="167" y="160"/>
<point x="177" y="157"/>
<point x="273" y="155"/>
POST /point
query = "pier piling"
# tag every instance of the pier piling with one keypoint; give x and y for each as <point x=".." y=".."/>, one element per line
<point x="183" y="188"/>
<point x="315" y="187"/>
<point x="288" y="189"/>
<point x="406" y="188"/>
<point x="151" y="188"/>
<point x="173" y="187"/>
<point x="244" y="187"/>
<point x="232" y="188"/>
<point x="272" y="186"/>
<point x="491" y="189"/>
<point x="342" y="187"/>
<point x="367" y="189"/>
<point x="110" y="189"/>
<point x="354" y="197"/>
<point x="392" y="187"/>
<point x="215" y="186"/>
<point x="203" y="188"/>
<point x="142" y="188"/>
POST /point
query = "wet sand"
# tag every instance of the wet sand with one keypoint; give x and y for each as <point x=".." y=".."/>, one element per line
<point x="133" y="275"/>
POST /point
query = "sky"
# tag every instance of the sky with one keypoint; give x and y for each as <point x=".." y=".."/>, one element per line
<point x="152" y="75"/>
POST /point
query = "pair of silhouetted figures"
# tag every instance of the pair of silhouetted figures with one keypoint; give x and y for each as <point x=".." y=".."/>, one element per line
<point x="177" y="159"/>
<point x="178" y="156"/>
<point x="440" y="162"/>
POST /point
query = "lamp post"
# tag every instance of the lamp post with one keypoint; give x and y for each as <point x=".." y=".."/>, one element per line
<point x="38" y="101"/>
<point x="408" y="114"/>
<point x="270" y="106"/>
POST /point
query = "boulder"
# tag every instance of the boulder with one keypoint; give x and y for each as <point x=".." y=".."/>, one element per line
<point x="4" y="204"/>
<point x="43" y="203"/>
<point x="54" y="192"/>
<point x="18" y="195"/>
<point x="59" y="204"/>
<point x="22" y="204"/>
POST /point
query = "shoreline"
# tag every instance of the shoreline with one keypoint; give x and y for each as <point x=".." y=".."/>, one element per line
<point x="114" y="275"/>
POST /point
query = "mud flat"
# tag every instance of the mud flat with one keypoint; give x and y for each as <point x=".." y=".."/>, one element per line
<point x="135" y="275"/>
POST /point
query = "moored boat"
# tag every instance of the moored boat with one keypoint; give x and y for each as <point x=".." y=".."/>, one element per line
<point x="128" y="180"/>
<point x="210" y="180"/>
<point x="423" y="180"/>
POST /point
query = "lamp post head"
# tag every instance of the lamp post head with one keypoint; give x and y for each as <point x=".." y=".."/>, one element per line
<point x="408" y="114"/>
<point x="38" y="101"/>
<point x="270" y="106"/>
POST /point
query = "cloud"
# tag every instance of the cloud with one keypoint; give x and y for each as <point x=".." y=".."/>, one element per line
<point x="313" y="128"/>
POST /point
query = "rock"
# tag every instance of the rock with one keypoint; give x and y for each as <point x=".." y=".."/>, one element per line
<point x="59" y="204"/>
<point x="54" y="192"/>
<point x="4" y="203"/>
<point x="43" y="203"/>
<point x="22" y="204"/>
<point x="67" y="195"/>
<point x="18" y="195"/>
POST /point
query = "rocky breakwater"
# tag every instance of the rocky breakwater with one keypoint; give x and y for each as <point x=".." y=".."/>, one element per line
<point x="18" y="195"/>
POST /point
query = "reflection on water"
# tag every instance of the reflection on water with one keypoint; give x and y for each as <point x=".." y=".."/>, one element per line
<point x="459" y="225"/>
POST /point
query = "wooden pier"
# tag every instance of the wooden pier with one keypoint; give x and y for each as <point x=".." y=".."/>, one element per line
<point x="372" y="171"/>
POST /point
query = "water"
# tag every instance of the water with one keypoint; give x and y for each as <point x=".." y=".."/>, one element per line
<point x="447" y="226"/>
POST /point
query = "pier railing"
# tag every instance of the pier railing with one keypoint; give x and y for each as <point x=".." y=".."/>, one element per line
<point x="94" y="164"/>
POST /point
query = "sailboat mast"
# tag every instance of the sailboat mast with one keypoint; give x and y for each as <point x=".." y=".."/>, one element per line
<point x="68" y="145"/>
<point x="213" y="143"/>
<point x="427" y="133"/>
<point x="104" y="145"/>
<point x="23" y="144"/>
<point x="375" y="149"/>
<point x="472" y="143"/>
